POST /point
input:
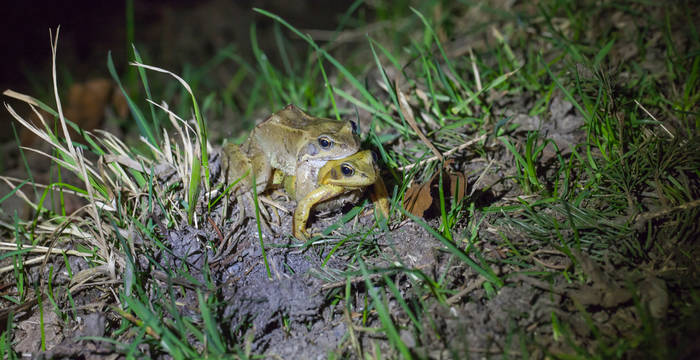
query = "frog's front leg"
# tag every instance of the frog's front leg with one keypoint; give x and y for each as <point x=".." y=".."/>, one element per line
<point x="301" y="213"/>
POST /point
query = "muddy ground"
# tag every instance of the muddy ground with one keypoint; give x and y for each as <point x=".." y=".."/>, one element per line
<point x="295" y="313"/>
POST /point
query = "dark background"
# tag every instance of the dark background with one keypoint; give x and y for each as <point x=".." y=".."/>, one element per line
<point x="169" y="34"/>
<point x="167" y="31"/>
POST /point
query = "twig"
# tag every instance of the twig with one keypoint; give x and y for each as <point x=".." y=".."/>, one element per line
<point x="641" y="219"/>
<point x="447" y="153"/>
<point x="37" y="249"/>
<point x="548" y="265"/>
<point x="355" y="279"/>
<point x="481" y="177"/>
<point x="476" y="284"/>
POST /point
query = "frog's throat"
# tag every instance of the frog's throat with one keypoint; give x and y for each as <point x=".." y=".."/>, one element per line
<point x="318" y="163"/>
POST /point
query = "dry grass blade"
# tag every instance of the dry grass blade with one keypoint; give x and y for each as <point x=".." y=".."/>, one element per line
<point x="408" y="115"/>
<point x="43" y="249"/>
<point x="59" y="108"/>
<point x="183" y="159"/>
<point x="6" y="246"/>
<point x="22" y="97"/>
<point x="654" y="118"/>
<point x="475" y="70"/>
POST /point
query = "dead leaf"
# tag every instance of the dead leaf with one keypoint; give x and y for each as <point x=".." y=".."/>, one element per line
<point x="458" y="186"/>
<point x="420" y="199"/>
<point x="424" y="97"/>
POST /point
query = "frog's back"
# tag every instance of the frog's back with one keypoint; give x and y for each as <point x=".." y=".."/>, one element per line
<point x="293" y="118"/>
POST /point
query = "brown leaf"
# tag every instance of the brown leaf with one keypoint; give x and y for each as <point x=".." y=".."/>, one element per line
<point x="418" y="198"/>
<point x="421" y="198"/>
<point x="458" y="186"/>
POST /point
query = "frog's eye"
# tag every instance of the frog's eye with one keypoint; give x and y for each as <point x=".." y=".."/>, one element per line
<point x="375" y="158"/>
<point x="347" y="170"/>
<point x="354" y="127"/>
<point x="325" y="142"/>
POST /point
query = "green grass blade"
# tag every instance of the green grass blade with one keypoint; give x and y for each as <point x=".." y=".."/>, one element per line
<point x="343" y="70"/>
<point x="257" y="221"/>
<point x="603" y="53"/>
<point x="213" y="336"/>
<point x="384" y="316"/>
<point x="144" y="81"/>
<point x="135" y="111"/>
<point x="13" y="191"/>
<point x="487" y="273"/>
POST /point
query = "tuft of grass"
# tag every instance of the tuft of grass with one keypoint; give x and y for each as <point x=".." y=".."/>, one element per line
<point x="121" y="191"/>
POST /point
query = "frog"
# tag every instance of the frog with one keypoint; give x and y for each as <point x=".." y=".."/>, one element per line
<point x="286" y="138"/>
<point x="282" y="141"/>
<point x="335" y="183"/>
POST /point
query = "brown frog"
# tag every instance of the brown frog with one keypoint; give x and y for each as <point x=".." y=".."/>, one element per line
<point x="283" y="140"/>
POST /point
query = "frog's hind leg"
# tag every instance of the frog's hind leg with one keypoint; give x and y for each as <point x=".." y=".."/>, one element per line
<point x="251" y="171"/>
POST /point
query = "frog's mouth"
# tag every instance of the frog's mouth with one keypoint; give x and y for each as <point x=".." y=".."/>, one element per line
<point x="312" y="150"/>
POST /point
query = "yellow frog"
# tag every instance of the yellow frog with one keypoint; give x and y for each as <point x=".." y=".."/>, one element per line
<point x="332" y="185"/>
<point x="288" y="137"/>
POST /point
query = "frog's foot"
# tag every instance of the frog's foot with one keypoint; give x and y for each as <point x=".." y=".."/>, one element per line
<point x="250" y="203"/>
<point x="306" y="235"/>
<point x="302" y="235"/>
<point x="275" y="207"/>
<point x="246" y="209"/>
<point x="264" y="214"/>
<point x="278" y="193"/>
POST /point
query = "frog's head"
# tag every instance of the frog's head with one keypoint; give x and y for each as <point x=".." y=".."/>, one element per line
<point x="324" y="139"/>
<point x="355" y="171"/>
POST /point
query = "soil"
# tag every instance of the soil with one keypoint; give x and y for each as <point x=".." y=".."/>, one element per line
<point x="293" y="312"/>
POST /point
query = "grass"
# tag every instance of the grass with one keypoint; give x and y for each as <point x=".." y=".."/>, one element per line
<point x="624" y="193"/>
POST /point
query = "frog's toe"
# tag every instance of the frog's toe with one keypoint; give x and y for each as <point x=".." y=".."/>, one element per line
<point x="249" y="204"/>
<point x="240" y="216"/>
<point x="301" y="234"/>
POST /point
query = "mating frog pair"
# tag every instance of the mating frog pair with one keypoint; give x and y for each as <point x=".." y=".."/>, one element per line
<point x="316" y="160"/>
